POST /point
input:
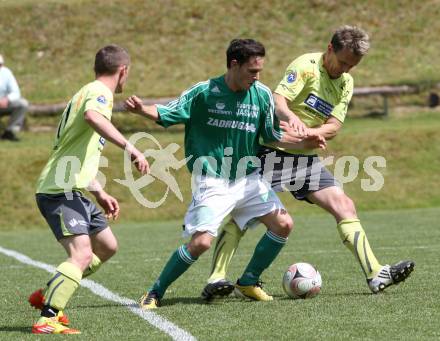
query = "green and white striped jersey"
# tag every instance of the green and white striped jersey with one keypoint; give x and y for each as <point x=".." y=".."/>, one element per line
<point x="223" y="127"/>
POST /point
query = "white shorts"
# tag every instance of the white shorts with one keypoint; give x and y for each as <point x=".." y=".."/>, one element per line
<point x="215" y="198"/>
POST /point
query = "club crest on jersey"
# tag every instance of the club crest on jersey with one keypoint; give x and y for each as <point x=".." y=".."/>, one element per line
<point x="102" y="141"/>
<point x="291" y="77"/>
<point x="101" y="99"/>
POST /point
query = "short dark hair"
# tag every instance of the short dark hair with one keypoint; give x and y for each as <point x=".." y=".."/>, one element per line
<point x="242" y="50"/>
<point x="109" y="58"/>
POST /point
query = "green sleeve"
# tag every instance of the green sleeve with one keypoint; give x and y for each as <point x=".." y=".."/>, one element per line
<point x="179" y="110"/>
<point x="270" y="130"/>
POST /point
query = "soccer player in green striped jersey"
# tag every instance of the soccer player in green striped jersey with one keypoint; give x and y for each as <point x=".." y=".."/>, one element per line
<point x="224" y="119"/>
<point x="313" y="96"/>
<point x="78" y="225"/>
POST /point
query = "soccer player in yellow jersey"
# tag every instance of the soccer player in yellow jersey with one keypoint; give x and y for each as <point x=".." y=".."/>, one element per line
<point x="78" y="225"/>
<point x="313" y="96"/>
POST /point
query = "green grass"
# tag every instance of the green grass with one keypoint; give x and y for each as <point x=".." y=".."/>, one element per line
<point x="344" y="310"/>
<point x="51" y="44"/>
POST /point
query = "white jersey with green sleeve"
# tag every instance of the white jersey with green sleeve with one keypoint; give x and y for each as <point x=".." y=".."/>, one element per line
<point x="311" y="94"/>
<point x="74" y="161"/>
<point x="223" y="127"/>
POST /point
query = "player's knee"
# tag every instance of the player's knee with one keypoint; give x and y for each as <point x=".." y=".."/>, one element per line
<point x="203" y="245"/>
<point x="287" y="224"/>
<point x="108" y="250"/>
<point x="284" y="225"/>
<point x="198" y="246"/>
<point x="111" y="248"/>
<point x="83" y="259"/>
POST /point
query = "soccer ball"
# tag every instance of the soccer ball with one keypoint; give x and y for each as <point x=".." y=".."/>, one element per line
<point x="302" y="280"/>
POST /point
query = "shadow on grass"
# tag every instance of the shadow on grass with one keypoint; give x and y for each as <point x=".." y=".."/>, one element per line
<point x="182" y="300"/>
<point x="95" y="306"/>
<point x="365" y="293"/>
<point x="165" y="302"/>
<point x="20" y="329"/>
<point x="342" y="294"/>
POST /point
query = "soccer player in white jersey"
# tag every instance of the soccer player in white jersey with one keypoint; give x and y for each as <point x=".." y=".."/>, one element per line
<point x="313" y="96"/>
<point x="78" y="225"/>
<point x="224" y="119"/>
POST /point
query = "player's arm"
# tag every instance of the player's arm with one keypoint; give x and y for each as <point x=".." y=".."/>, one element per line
<point x="285" y="114"/>
<point x="107" y="130"/>
<point x="291" y="139"/>
<point x="105" y="200"/>
<point x="281" y="134"/>
<point x="176" y="112"/>
<point x="329" y="129"/>
<point x="135" y="105"/>
<point x="332" y="126"/>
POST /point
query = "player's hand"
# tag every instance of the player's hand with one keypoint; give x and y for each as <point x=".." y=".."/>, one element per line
<point x="297" y="125"/>
<point x="290" y="135"/>
<point x="134" y="104"/>
<point x="316" y="141"/>
<point x="140" y="162"/>
<point x="109" y="204"/>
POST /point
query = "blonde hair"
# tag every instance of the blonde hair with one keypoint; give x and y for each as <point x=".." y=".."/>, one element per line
<point x="352" y="38"/>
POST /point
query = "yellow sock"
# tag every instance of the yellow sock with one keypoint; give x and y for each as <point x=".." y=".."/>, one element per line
<point x="227" y="243"/>
<point x="62" y="285"/>
<point x="354" y="238"/>
<point x="94" y="265"/>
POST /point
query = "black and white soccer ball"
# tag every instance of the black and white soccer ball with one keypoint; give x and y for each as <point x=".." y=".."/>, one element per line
<point x="302" y="280"/>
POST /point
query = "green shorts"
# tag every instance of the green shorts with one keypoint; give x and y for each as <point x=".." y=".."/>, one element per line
<point x="71" y="214"/>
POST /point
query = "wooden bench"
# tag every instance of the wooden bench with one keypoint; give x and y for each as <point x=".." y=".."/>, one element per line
<point x="384" y="91"/>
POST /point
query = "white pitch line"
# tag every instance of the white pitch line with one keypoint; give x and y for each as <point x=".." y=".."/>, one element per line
<point x="155" y="320"/>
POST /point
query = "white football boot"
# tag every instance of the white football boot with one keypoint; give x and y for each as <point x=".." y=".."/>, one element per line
<point x="391" y="274"/>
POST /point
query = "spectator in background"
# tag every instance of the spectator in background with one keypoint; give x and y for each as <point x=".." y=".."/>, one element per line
<point x="11" y="103"/>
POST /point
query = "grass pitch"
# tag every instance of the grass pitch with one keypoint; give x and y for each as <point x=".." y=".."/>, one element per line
<point x="345" y="309"/>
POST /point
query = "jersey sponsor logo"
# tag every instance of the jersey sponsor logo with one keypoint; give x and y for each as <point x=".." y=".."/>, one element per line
<point x="101" y="99"/>
<point x="220" y="105"/>
<point x="319" y="105"/>
<point x="291" y="76"/>
<point x="219" y="109"/>
<point x="247" y="110"/>
<point x="231" y="124"/>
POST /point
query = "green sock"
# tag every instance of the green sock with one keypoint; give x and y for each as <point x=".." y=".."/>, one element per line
<point x="265" y="253"/>
<point x="178" y="263"/>
<point x="62" y="285"/>
<point x="94" y="265"/>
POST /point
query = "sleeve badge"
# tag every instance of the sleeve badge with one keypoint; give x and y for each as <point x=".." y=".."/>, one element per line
<point x="101" y="99"/>
<point x="291" y="76"/>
